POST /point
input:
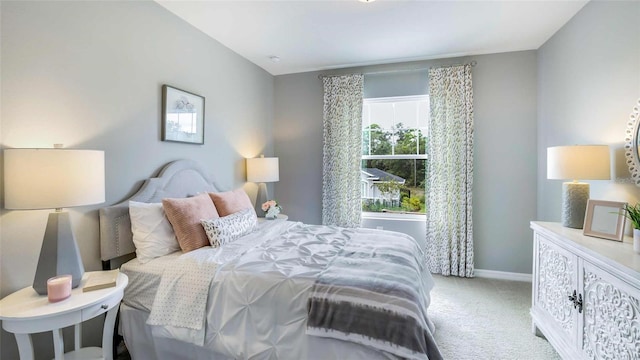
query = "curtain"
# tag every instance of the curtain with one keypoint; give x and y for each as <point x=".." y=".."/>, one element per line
<point x="341" y="197"/>
<point x="450" y="172"/>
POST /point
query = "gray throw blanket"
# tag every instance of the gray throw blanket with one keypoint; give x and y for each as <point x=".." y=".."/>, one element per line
<point x="375" y="292"/>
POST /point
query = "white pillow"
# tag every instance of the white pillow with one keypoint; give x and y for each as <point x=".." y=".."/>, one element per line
<point x="153" y="235"/>
<point x="225" y="229"/>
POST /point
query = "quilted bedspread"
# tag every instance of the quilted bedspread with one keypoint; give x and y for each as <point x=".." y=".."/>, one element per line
<point x="257" y="303"/>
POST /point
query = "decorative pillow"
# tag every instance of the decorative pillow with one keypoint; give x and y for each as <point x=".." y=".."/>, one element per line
<point x="153" y="235"/>
<point x="230" y="202"/>
<point x="226" y="229"/>
<point x="185" y="215"/>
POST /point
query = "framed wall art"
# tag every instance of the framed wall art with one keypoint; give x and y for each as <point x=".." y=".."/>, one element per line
<point x="182" y="116"/>
<point x="605" y="219"/>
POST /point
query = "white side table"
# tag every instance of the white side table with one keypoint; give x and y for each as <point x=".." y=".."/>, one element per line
<point x="280" y="217"/>
<point x="25" y="312"/>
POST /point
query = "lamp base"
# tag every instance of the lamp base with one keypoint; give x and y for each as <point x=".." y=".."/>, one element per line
<point x="574" y="204"/>
<point x="261" y="198"/>
<point x="59" y="254"/>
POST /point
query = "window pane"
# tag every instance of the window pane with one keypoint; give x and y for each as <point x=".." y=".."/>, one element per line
<point x="423" y="113"/>
<point x="393" y="185"/>
<point x="407" y="113"/>
<point x="381" y="142"/>
<point x="381" y="114"/>
<point x="407" y="142"/>
<point x="366" y="140"/>
<point x="366" y="111"/>
<point x="422" y="141"/>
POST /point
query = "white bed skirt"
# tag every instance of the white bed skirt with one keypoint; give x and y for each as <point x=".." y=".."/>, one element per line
<point x="143" y="346"/>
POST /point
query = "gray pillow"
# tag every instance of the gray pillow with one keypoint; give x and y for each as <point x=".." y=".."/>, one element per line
<point x="226" y="229"/>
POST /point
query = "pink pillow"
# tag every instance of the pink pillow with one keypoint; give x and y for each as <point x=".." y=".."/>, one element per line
<point x="230" y="202"/>
<point x="185" y="216"/>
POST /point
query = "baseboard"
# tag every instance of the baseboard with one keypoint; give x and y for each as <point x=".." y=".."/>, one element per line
<point x="502" y="275"/>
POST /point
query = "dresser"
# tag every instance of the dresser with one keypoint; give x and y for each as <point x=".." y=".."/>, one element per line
<point x="586" y="293"/>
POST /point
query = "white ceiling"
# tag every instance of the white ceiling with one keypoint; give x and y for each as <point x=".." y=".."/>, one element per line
<point x="319" y="34"/>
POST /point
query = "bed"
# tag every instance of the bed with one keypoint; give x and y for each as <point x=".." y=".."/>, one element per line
<point x="285" y="290"/>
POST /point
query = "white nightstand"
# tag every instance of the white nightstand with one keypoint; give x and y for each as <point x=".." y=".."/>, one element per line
<point x="281" y="217"/>
<point x="25" y="312"/>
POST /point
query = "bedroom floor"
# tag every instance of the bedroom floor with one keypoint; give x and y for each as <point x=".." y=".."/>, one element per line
<point x="482" y="318"/>
<point x="479" y="319"/>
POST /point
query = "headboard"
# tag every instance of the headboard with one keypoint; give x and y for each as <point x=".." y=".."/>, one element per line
<point x="178" y="179"/>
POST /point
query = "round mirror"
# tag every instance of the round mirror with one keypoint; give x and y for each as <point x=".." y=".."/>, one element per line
<point x="632" y="144"/>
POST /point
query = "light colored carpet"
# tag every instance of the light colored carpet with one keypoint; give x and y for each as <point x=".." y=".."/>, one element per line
<point x="482" y="318"/>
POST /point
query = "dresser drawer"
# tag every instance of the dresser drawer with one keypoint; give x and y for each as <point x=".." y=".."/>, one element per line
<point x="101" y="307"/>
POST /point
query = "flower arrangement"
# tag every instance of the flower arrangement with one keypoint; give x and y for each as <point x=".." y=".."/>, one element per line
<point x="271" y="209"/>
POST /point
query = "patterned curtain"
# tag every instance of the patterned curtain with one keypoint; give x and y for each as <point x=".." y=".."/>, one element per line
<point x="341" y="197"/>
<point x="450" y="172"/>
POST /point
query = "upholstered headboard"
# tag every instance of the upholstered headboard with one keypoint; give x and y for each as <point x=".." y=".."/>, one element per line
<point x="178" y="179"/>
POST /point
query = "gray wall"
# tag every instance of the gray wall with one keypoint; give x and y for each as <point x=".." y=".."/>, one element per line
<point x="89" y="75"/>
<point x="504" y="149"/>
<point x="588" y="83"/>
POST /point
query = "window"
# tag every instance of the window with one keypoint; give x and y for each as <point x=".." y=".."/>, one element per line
<point x="394" y="138"/>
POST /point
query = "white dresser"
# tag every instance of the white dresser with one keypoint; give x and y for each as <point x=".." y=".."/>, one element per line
<point x="586" y="293"/>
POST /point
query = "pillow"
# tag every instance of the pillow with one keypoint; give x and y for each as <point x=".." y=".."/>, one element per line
<point x="185" y="215"/>
<point x="226" y="229"/>
<point x="153" y="235"/>
<point x="230" y="202"/>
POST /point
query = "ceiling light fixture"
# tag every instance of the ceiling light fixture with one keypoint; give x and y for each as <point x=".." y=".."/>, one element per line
<point x="367" y="1"/>
<point x="274" y="59"/>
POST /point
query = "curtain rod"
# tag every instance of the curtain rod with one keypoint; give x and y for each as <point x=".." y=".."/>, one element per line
<point x="472" y="63"/>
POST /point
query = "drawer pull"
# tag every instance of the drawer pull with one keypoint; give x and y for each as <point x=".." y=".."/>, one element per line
<point x="104" y="306"/>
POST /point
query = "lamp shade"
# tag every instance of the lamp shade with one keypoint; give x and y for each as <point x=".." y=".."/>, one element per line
<point x="263" y="169"/>
<point x="53" y="178"/>
<point x="578" y="162"/>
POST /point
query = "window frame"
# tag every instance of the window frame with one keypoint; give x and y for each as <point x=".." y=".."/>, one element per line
<point x="372" y="215"/>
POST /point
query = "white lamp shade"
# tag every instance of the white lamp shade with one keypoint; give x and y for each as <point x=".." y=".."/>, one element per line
<point x="52" y="178"/>
<point x="579" y="162"/>
<point x="263" y="169"/>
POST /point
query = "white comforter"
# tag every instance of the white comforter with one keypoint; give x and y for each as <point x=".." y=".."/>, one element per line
<point x="257" y="304"/>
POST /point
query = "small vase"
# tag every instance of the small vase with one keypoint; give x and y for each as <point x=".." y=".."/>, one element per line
<point x="272" y="213"/>
<point x="636" y="241"/>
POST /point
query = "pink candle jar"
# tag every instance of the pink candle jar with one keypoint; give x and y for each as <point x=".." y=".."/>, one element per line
<point x="59" y="288"/>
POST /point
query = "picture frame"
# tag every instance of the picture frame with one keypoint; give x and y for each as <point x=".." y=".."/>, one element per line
<point x="182" y="116"/>
<point x="605" y="219"/>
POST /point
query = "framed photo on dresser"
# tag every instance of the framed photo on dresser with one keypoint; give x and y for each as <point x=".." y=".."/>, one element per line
<point x="605" y="219"/>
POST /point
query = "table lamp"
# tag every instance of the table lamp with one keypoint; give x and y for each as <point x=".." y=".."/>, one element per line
<point x="262" y="170"/>
<point x="54" y="179"/>
<point x="584" y="162"/>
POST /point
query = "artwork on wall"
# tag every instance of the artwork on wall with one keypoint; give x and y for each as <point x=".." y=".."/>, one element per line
<point x="605" y="219"/>
<point x="182" y="116"/>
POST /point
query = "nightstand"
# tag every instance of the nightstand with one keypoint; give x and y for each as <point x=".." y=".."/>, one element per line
<point x="25" y="312"/>
<point x="281" y="217"/>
